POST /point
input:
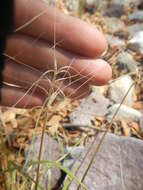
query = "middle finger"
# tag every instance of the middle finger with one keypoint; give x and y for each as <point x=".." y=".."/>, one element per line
<point x="40" y="55"/>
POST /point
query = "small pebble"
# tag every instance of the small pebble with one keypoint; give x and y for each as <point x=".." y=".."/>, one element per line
<point x="125" y="61"/>
<point x="113" y="24"/>
<point x="136" y="42"/>
<point x="137" y="16"/>
<point x="134" y="28"/>
<point x="119" y="88"/>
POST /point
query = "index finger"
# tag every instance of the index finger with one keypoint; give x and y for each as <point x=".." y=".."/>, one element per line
<point x="39" y="20"/>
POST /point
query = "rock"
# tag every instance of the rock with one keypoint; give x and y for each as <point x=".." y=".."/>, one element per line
<point x="52" y="2"/>
<point x="124" y="34"/>
<point x="119" y="88"/>
<point x="73" y="5"/>
<point x="141" y="123"/>
<point x="126" y="3"/>
<point x="136" y="16"/>
<point x="107" y="9"/>
<point x="136" y="42"/>
<point x="113" y="24"/>
<point x="73" y="154"/>
<point x="96" y="4"/>
<point x="115" y="10"/>
<point x="98" y="89"/>
<point x="118" y="165"/>
<point x="114" y="41"/>
<point x="93" y="105"/>
<point x="104" y="4"/>
<point x="140" y="4"/>
<point x="133" y="29"/>
<point x="125" y="61"/>
<point x="50" y="151"/>
<point x="125" y="113"/>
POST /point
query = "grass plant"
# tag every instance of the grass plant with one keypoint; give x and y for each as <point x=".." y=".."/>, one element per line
<point x="11" y="172"/>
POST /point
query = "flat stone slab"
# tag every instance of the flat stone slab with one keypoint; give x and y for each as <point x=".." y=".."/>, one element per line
<point x="50" y="152"/>
<point x="118" y="165"/>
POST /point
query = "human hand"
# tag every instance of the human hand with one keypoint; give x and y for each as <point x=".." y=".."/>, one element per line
<point x="30" y="49"/>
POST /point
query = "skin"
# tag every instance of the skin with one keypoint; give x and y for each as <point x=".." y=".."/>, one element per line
<point x="30" y="53"/>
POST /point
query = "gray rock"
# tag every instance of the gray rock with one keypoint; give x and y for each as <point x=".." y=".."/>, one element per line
<point x="124" y="34"/>
<point x="73" y="5"/>
<point x="104" y="4"/>
<point x="136" y="42"/>
<point x="119" y="88"/>
<point x="126" y="2"/>
<point x="124" y="113"/>
<point x="118" y="165"/>
<point x="114" y="41"/>
<point x="141" y="123"/>
<point x="98" y="89"/>
<point x="97" y="4"/>
<point x="50" y="152"/>
<point x="111" y="10"/>
<point x="51" y="2"/>
<point x="73" y="154"/>
<point x="140" y="4"/>
<point x="133" y="29"/>
<point x="113" y="24"/>
<point x="125" y="61"/>
<point x="136" y="16"/>
<point x="115" y="10"/>
<point x="93" y="105"/>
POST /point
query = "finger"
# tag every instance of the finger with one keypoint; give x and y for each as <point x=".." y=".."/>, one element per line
<point x="25" y="77"/>
<point x="41" y="56"/>
<point x="71" y="89"/>
<point x="72" y="33"/>
<point x="31" y="81"/>
<point x="12" y="96"/>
